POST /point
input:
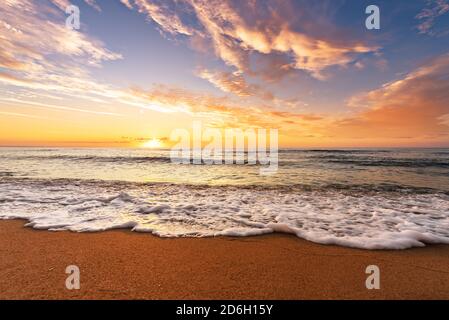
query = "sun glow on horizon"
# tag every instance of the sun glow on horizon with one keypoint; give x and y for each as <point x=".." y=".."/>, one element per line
<point x="153" y="144"/>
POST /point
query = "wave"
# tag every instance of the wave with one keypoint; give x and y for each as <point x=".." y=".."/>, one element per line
<point x="133" y="159"/>
<point x="368" y="219"/>
<point x="347" y="151"/>
<point x="293" y="187"/>
<point x="410" y="163"/>
<point x="333" y="159"/>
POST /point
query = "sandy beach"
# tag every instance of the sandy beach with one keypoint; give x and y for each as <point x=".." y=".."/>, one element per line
<point x="127" y="265"/>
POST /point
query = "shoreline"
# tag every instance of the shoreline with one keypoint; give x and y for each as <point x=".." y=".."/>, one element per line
<point x="120" y="264"/>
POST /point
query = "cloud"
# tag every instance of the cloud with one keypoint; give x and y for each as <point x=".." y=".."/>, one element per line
<point x="37" y="52"/>
<point x="60" y="63"/>
<point x="234" y="83"/>
<point x="21" y="115"/>
<point x="429" y="15"/>
<point x="22" y="32"/>
<point x="416" y="106"/>
<point x="63" y="4"/>
<point x="168" y="20"/>
<point x="127" y="3"/>
<point x="444" y="119"/>
<point x="93" y="4"/>
<point x="57" y="107"/>
<point x="236" y="30"/>
<point x="234" y="37"/>
<point x="221" y="111"/>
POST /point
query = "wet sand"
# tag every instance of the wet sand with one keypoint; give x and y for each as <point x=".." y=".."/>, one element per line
<point x="127" y="265"/>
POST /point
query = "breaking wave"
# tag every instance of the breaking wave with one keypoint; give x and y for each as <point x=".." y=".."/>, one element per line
<point x="370" y="219"/>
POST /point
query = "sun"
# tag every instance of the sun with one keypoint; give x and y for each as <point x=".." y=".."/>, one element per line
<point x="153" y="144"/>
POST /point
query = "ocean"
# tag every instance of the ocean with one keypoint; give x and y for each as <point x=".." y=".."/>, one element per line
<point x="362" y="198"/>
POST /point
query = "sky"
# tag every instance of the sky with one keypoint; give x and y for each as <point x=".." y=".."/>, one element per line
<point x="138" y="69"/>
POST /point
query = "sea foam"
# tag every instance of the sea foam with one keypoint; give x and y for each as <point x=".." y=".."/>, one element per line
<point x="359" y="219"/>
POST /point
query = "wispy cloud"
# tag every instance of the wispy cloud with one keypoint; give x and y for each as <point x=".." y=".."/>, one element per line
<point x="24" y="51"/>
<point x="160" y="13"/>
<point x="38" y="53"/>
<point x="428" y="16"/>
<point x="22" y="115"/>
<point x="63" y="4"/>
<point x="93" y="4"/>
<point x="57" y="107"/>
<point x="127" y="3"/>
<point x="220" y="111"/>
<point x="234" y="83"/>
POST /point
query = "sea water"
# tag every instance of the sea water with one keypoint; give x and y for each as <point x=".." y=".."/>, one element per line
<point x="363" y="198"/>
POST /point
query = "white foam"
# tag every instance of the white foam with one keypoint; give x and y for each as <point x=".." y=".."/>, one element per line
<point x="375" y="220"/>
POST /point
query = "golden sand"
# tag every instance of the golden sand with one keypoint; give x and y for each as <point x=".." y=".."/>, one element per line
<point x="126" y="265"/>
